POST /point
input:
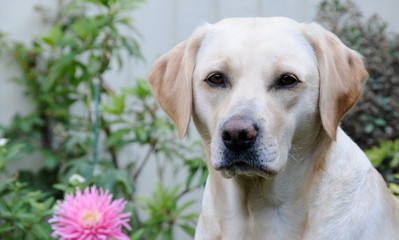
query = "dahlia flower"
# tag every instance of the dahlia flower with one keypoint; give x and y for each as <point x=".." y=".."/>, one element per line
<point x="90" y="215"/>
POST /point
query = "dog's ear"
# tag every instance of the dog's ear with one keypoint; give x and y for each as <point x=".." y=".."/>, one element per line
<point x="171" y="79"/>
<point x="341" y="72"/>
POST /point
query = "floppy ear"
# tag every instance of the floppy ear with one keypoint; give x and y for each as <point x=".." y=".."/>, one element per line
<point x="341" y="72"/>
<point x="171" y="80"/>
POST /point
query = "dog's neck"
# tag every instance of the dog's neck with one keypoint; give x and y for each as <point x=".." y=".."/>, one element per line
<point x="306" y="161"/>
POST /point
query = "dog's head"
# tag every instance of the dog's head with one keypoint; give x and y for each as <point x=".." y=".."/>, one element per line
<point x="255" y="87"/>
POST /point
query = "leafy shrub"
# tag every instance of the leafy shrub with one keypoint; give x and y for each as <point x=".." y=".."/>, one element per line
<point x="22" y="211"/>
<point x="375" y="118"/>
<point x="65" y="70"/>
<point x="385" y="158"/>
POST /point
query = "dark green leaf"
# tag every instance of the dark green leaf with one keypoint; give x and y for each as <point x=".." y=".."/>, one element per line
<point x="116" y="138"/>
<point x="188" y="229"/>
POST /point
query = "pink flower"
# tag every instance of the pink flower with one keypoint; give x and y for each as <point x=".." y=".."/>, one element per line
<point x="90" y="215"/>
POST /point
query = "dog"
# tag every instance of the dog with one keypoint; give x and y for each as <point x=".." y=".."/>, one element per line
<point x="266" y="96"/>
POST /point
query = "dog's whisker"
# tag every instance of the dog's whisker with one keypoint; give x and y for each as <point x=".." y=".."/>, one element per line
<point x="292" y="156"/>
<point x="261" y="191"/>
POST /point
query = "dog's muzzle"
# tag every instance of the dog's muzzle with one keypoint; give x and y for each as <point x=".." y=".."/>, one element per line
<point x="240" y="149"/>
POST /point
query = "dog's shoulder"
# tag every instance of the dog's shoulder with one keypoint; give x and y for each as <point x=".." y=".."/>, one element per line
<point x="345" y="155"/>
<point x="348" y="194"/>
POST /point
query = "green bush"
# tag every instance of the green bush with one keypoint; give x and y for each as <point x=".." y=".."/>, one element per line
<point x="66" y="69"/>
<point x="22" y="210"/>
<point x="375" y="118"/>
<point x="385" y="158"/>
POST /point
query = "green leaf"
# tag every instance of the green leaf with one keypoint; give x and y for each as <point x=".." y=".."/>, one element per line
<point x="5" y="229"/>
<point x="116" y="105"/>
<point x="116" y="138"/>
<point x="142" y="89"/>
<point x="26" y="217"/>
<point x="394" y="188"/>
<point x="54" y="34"/>
<point x="138" y="234"/>
<point x="104" y="2"/>
<point x="50" y="159"/>
<point x="369" y="128"/>
<point x="188" y="229"/>
<point x="41" y="230"/>
<point x="58" y="70"/>
<point x="141" y="135"/>
<point x="168" y="235"/>
<point x="93" y="65"/>
<point x="15" y="151"/>
<point x="380" y="122"/>
<point x="189" y="217"/>
<point x="85" y="29"/>
<point x="62" y="187"/>
<point x="125" y="181"/>
<point x="186" y="205"/>
<point x="3" y="162"/>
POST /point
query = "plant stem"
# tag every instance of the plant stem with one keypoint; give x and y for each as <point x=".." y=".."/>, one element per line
<point x="46" y="134"/>
<point x="185" y="191"/>
<point x="144" y="161"/>
<point x="111" y="150"/>
<point x="107" y="129"/>
<point x="96" y="121"/>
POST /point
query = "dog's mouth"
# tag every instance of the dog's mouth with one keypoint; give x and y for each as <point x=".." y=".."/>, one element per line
<point x="256" y="160"/>
<point x="246" y="169"/>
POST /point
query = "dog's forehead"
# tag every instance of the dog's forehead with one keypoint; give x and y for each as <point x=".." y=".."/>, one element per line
<point x="279" y="36"/>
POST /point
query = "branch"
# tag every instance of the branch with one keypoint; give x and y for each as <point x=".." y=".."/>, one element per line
<point x="185" y="191"/>
<point x="144" y="162"/>
<point x="111" y="150"/>
<point x="107" y="129"/>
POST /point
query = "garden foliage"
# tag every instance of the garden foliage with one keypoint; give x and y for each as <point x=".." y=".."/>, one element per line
<point x="64" y="74"/>
<point x="385" y="158"/>
<point x="374" y="121"/>
<point x="376" y="116"/>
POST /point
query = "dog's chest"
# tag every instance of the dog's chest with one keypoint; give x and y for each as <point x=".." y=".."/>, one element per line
<point x="264" y="223"/>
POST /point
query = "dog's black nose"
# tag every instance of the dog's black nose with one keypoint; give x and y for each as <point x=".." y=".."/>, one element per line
<point x="239" y="134"/>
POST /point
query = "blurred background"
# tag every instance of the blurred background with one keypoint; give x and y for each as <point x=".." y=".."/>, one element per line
<point x="75" y="108"/>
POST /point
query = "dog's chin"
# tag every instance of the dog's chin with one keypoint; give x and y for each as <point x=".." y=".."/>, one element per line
<point x="243" y="169"/>
<point x="255" y="161"/>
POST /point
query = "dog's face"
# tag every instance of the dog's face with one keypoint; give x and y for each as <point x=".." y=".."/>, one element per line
<point x="255" y="87"/>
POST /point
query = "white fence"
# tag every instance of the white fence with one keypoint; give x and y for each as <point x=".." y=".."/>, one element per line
<point x="163" y="23"/>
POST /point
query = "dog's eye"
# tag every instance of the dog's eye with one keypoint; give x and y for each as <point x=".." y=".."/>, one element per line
<point x="287" y="80"/>
<point x="216" y="80"/>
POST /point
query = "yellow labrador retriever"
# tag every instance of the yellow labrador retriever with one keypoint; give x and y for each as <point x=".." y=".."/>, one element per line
<point x="266" y="96"/>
